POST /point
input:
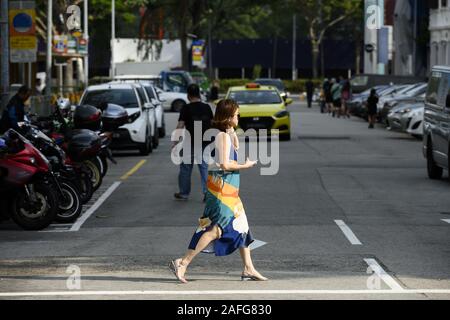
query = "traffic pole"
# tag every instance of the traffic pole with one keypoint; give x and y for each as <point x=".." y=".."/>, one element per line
<point x="5" y="54"/>
<point x="113" y="37"/>
<point x="48" y="76"/>
<point x="86" y="37"/>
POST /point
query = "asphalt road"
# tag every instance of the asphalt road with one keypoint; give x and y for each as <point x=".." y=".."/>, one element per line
<point x="344" y="198"/>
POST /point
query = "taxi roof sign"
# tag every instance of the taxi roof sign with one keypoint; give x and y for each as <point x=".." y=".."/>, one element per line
<point x="253" y="86"/>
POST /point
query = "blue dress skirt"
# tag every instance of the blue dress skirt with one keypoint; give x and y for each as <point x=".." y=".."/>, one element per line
<point x="224" y="209"/>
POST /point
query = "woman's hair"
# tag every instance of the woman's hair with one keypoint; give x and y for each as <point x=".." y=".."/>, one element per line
<point x="224" y="113"/>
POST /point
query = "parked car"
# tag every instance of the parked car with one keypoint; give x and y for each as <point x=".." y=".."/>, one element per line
<point x="278" y="83"/>
<point x="399" y="118"/>
<point x="355" y="104"/>
<point x="139" y="131"/>
<point x="415" y="127"/>
<point x="363" y="82"/>
<point x="416" y="93"/>
<point x="436" y="126"/>
<point x="170" y="100"/>
<point x="202" y="80"/>
<point x="153" y="98"/>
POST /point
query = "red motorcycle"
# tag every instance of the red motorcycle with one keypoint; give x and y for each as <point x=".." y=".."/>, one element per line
<point x="27" y="186"/>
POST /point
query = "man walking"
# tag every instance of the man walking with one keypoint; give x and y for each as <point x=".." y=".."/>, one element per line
<point x="309" y="91"/>
<point x="15" y="110"/>
<point x="194" y="112"/>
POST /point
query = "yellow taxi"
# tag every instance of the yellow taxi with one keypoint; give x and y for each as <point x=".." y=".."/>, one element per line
<point x="262" y="107"/>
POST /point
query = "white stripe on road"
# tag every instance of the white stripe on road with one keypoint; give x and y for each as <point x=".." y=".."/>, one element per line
<point x="96" y="205"/>
<point x="348" y="232"/>
<point x="220" y="292"/>
<point x="373" y="264"/>
<point x="446" y="220"/>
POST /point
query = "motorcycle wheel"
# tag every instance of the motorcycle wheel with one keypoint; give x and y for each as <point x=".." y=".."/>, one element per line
<point x="43" y="212"/>
<point x="104" y="165"/>
<point x="69" y="203"/>
<point x="85" y="187"/>
<point x="96" y="176"/>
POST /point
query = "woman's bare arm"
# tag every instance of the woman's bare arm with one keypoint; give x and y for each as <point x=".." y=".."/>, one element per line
<point x="224" y="151"/>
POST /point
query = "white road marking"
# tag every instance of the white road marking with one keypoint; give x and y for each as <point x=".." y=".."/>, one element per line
<point x="95" y="206"/>
<point x="373" y="264"/>
<point x="348" y="232"/>
<point x="256" y="244"/>
<point x="220" y="292"/>
<point x="446" y="220"/>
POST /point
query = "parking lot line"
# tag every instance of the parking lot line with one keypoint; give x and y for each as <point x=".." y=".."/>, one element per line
<point x="133" y="170"/>
<point x="379" y="271"/>
<point x="220" y="292"/>
<point x="95" y="206"/>
<point x="348" y="232"/>
<point x="446" y="220"/>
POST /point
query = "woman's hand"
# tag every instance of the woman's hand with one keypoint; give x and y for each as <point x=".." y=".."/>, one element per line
<point x="249" y="163"/>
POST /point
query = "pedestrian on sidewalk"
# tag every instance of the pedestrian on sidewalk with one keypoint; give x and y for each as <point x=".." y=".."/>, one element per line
<point x="309" y="91"/>
<point x="372" y="102"/>
<point x="328" y="97"/>
<point x="14" y="112"/>
<point x="346" y="95"/>
<point x="195" y="111"/>
<point x="336" y="92"/>
<point x="214" y="91"/>
<point x="224" y="223"/>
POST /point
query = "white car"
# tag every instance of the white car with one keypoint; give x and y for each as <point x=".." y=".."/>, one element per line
<point x="415" y="127"/>
<point x="172" y="101"/>
<point x="140" y="131"/>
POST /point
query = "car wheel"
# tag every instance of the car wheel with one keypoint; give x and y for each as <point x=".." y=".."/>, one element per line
<point x="155" y="140"/>
<point x="434" y="172"/>
<point x="285" y="137"/>
<point x="146" y="148"/>
<point x="162" y="130"/>
<point x="177" y="105"/>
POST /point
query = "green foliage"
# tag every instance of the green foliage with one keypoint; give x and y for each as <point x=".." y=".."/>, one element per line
<point x="257" y="71"/>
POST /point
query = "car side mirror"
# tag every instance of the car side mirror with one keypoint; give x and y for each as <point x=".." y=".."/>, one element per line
<point x="288" y="101"/>
<point x="154" y="101"/>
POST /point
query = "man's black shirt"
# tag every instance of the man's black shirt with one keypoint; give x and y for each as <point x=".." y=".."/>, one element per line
<point x="196" y="111"/>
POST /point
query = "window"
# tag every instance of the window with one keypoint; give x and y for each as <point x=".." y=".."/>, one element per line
<point x="256" y="97"/>
<point x="433" y="87"/>
<point x="123" y="97"/>
<point x="150" y="93"/>
<point x="141" y="95"/>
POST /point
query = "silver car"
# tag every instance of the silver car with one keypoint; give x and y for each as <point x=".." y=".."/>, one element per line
<point x="399" y="117"/>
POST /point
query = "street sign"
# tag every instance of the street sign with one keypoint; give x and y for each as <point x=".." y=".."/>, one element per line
<point x="198" y="50"/>
<point x="369" y="48"/>
<point x="22" y="31"/>
<point x="60" y="44"/>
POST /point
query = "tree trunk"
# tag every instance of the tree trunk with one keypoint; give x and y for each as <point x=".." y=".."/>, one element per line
<point x="315" y="57"/>
<point x="358" y="57"/>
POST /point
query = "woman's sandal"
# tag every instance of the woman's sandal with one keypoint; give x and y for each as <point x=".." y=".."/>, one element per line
<point x="173" y="266"/>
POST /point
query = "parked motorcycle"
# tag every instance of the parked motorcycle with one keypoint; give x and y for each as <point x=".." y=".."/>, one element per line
<point x="27" y="184"/>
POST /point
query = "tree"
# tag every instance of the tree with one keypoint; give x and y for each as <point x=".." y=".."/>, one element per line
<point x="332" y="13"/>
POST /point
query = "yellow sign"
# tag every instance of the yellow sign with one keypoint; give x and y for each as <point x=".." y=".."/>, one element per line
<point x="22" y="31"/>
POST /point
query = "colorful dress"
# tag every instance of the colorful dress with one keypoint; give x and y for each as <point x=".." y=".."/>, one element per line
<point x="224" y="209"/>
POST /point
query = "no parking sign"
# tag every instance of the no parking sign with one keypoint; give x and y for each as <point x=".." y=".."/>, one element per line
<point x="22" y="31"/>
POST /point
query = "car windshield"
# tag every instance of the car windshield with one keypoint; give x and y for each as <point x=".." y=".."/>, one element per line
<point x="256" y="97"/>
<point x="123" y="97"/>
<point x="269" y="82"/>
<point x="418" y="90"/>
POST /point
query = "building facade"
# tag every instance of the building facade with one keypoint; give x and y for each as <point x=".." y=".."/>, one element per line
<point x="440" y="33"/>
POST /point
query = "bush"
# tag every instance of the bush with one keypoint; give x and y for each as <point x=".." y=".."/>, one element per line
<point x="297" y="86"/>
